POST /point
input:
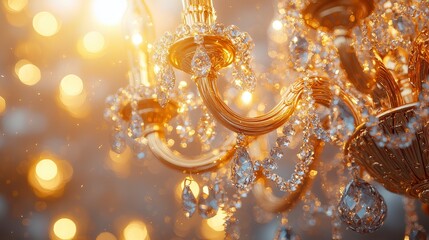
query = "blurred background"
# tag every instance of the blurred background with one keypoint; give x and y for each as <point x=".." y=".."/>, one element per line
<point x="59" y="60"/>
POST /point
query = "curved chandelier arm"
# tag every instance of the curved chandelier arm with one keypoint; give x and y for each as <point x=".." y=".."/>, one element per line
<point x="362" y="81"/>
<point x="270" y="202"/>
<point x="156" y="142"/>
<point x="276" y="117"/>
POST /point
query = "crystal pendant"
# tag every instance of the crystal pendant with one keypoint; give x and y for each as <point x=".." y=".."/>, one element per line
<point x="189" y="203"/>
<point x="162" y="97"/>
<point x="361" y="207"/>
<point x="286" y="233"/>
<point x="201" y="63"/>
<point x="207" y="203"/>
<point x="417" y="234"/>
<point x="118" y="143"/>
<point x="167" y="79"/>
<point x="136" y="126"/>
<point x="242" y="169"/>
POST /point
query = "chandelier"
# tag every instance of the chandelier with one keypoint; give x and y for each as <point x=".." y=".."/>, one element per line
<point x="350" y="74"/>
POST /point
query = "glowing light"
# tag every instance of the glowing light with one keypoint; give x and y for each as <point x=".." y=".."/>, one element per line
<point x="16" y="5"/>
<point x="28" y="73"/>
<point x="137" y="39"/>
<point x="194" y="186"/>
<point x="45" y="24"/>
<point x="93" y="42"/>
<point x="106" y="236"/>
<point x="246" y="97"/>
<point x="277" y="25"/>
<point x="217" y="222"/>
<point x="71" y="85"/>
<point x="135" y="230"/>
<point x="46" y="169"/>
<point x="2" y="105"/>
<point x="65" y="228"/>
<point x="109" y="12"/>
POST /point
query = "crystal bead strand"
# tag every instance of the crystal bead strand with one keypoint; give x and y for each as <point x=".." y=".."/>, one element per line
<point x="413" y="230"/>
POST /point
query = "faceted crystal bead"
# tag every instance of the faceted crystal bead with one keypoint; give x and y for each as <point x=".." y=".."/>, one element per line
<point x="189" y="202"/>
<point x="201" y="63"/>
<point x="242" y="169"/>
<point x="167" y="79"/>
<point x="283" y="141"/>
<point x="118" y="143"/>
<point x="361" y="207"/>
<point x="163" y="97"/>
<point x="285" y="233"/>
<point x="136" y="126"/>
<point x="207" y="203"/>
<point x="417" y="234"/>
<point x="299" y="51"/>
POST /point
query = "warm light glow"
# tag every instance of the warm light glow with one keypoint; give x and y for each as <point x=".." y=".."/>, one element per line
<point x="65" y="228"/>
<point x="277" y="25"/>
<point x="16" y="5"/>
<point x="106" y="236"/>
<point x="29" y="74"/>
<point x="246" y="97"/>
<point x="93" y="42"/>
<point x="45" y="24"/>
<point x="71" y="85"/>
<point x="137" y="39"/>
<point x="135" y="230"/>
<point x="46" y="169"/>
<point x="109" y="12"/>
<point x="194" y="186"/>
<point x="2" y="105"/>
<point x="217" y="222"/>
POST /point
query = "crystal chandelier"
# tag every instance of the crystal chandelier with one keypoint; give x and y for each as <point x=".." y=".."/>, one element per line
<point x="351" y="74"/>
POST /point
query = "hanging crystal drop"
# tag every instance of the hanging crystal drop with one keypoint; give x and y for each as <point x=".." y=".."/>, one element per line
<point x="361" y="207"/>
<point x="189" y="203"/>
<point x="286" y="233"/>
<point x="167" y="78"/>
<point x="201" y="63"/>
<point x="163" y="97"/>
<point x="418" y="233"/>
<point x="242" y="169"/>
<point x="207" y="203"/>
<point x="118" y="143"/>
<point x="136" y="126"/>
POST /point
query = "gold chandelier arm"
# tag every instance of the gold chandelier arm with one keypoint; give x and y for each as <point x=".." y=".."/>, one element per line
<point x="270" y="202"/>
<point x="276" y="117"/>
<point x="157" y="145"/>
<point x="362" y="81"/>
<point x="198" y="11"/>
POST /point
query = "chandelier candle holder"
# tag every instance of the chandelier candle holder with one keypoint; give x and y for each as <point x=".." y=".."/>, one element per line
<point x="352" y="89"/>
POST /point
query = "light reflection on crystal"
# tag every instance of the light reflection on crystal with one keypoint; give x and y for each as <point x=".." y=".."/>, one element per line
<point x="242" y="169"/>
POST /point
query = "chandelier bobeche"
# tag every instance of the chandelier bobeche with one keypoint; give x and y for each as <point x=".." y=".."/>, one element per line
<point x="361" y="70"/>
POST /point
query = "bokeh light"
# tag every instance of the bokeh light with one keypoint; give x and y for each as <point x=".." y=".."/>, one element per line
<point x="71" y="85"/>
<point x="277" y="25"/>
<point x="137" y="39"/>
<point x="45" y="24"/>
<point x="218" y="221"/>
<point x="65" y="229"/>
<point x="135" y="230"/>
<point x="15" y="5"/>
<point x="246" y="97"/>
<point x="46" y="169"/>
<point x="2" y="105"/>
<point x="93" y="42"/>
<point x="106" y="236"/>
<point x="28" y="73"/>
<point x="109" y="12"/>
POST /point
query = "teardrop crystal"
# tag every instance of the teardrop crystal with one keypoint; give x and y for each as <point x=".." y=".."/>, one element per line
<point x="167" y="78"/>
<point x="201" y="63"/>
<point x="286" y="233"/>
<point x="207" y="203"/>
<point x="189" y="203"/>
<point x="242" y="169"/>
<point x="361" y="207"/>
<point x="418" y="234"/>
